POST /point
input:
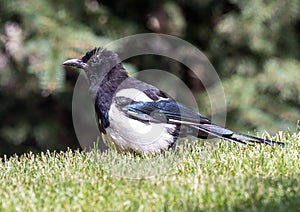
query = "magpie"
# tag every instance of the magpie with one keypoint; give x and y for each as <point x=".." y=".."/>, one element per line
<point x="138" y="117"/>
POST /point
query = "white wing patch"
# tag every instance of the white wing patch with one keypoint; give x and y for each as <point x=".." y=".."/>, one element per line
<point x="134" y="94"/>
<point x="137" y="95"/>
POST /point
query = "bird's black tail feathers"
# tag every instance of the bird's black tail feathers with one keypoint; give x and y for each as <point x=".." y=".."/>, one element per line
<point x="229" y="135"/>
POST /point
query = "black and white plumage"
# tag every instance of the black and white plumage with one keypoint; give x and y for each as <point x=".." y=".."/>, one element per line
<point x="136" y="116"/>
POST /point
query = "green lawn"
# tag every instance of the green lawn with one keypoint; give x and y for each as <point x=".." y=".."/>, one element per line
<point x="194" y="176"/>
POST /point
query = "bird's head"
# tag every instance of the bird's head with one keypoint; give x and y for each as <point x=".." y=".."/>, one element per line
<point x="98" y="59"/>
<point x="97" y="64"/>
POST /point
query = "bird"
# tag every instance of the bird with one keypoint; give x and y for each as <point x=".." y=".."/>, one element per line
<point x="134" y="116"/>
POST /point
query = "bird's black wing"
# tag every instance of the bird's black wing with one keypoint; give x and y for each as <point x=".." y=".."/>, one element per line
<point x="172" y="112"/>
<point x="160" y="111"/>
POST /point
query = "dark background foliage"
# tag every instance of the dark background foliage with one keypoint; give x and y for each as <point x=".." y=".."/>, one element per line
<point x="253" y="45"/>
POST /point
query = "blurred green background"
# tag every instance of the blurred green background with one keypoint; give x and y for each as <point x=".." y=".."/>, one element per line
<point x="253" y="45"/>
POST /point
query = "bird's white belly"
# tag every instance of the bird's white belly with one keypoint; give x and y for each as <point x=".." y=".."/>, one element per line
<point x="133" y="135"/>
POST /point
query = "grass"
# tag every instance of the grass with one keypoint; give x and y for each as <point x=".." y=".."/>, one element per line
<point x="195" y="176"/>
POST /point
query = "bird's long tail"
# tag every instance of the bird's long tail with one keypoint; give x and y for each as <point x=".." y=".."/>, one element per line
<point x="229" y="135"/>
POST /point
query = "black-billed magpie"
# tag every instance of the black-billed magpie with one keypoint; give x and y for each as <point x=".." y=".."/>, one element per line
<point x="137" y="117"/>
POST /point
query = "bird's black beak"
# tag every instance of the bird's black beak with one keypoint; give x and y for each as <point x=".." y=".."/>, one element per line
<point x="77" y="62"/>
